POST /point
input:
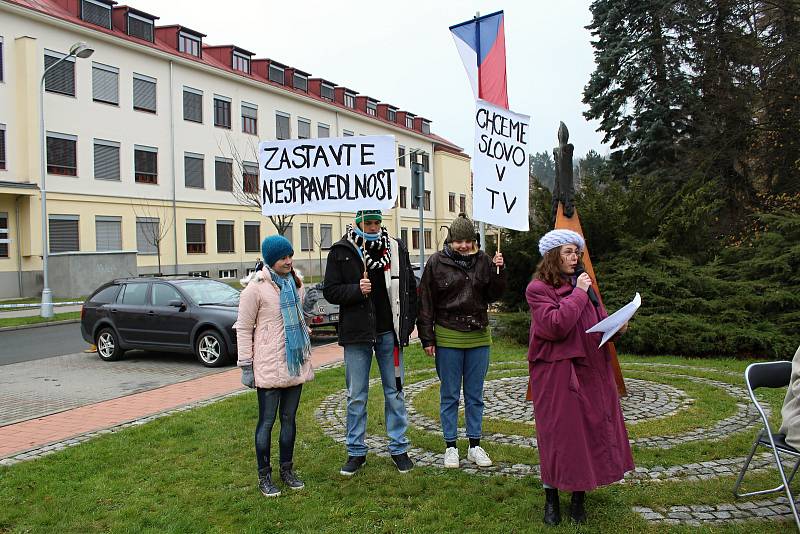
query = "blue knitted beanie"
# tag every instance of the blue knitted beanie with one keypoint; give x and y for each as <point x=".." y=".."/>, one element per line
<point x="274" y="248"/>
<point x="557" y="238"/>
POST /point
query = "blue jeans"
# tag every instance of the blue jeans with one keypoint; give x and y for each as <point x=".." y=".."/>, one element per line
<point x="357" y="361"/>
<point x="453" y="366"/>
<point x="269" y="402"/>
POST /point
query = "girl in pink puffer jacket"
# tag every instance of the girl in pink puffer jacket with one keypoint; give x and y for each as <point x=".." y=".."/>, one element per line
<point x="275" y="356"/>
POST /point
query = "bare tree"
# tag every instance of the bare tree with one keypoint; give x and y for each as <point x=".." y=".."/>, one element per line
<point x="245" y="182"/>
<point x="151" y="214"/>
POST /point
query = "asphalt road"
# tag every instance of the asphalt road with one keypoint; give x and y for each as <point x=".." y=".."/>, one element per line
<point x="37" y="343"/>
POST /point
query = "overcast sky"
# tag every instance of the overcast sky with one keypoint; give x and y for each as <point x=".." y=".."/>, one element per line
<point x="403" y="53"/>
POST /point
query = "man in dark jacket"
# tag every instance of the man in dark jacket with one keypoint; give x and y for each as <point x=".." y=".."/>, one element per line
<point x="369" y="276"/>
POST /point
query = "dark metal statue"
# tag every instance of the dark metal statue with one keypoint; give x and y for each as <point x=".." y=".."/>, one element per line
<point x="563" y="189"/>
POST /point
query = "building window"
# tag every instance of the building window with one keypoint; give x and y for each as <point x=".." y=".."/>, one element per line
<point x="350" y="100"/>
<point x="409" y="121"/>
<point x="426" y="127"/>
<point x="4" y="241"/>
<point x="403" y="193"/>
<point x="199" y="274"/>
<point x="347" y="133"/>
<point x="105" y="84"/>
<point x="372" y="108"/>
<point x="252" y="236"/>
<point x="62" y="154"/>
<point x="326" y="91"/>
<point x="282" y="130"/>
<point x="404" y="236"/>
<point x="323" y="130"/>
<point x="228" y="273"/>
<point x="306" y="236"/>
<point x="195" y="236"/>
<point x="98" y="13"/>
<point x="303" y="129"/>
<point x="108" y="233"/>
<point x="249" y="118"/>
<point x="192" y="105"/>
<point x="223" y="174"/>
<point x="451" y="202"/>
<point x="289" y="233"/>
<point x="415" y="238"/>
<point x="61" y="78"/>
<point x="189" y="44"/>
<point x="148" y="235"/>
<point x="140" y="27"/>
<point x="426" y="201"/>
<point x="414" y="156"/>
<point x="241" y="62"/>
<point x="325" y="236"/>
<point x="401" y="156"/>
<point x="222" y="112"/>
<point x="106" y="160"/>
<point x="63" y="233"/>
<point x="275" y="74"/>
<point x="426" y="162"/>
<point x="250" y="177"/>
<point x="145" y="163"/>
<point x="225" y="237"/>
<point x="428" y="239"/>
<point x="391" y="114"/>
<point x="144" y="93"/>
<point x="193" y="174"/>
<point x="300" y="81"/>
<point x="462" y="203"/>
<point x="2" y="147"/>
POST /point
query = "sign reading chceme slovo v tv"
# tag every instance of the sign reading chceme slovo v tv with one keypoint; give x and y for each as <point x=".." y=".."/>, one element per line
<point x="327" y="175"/>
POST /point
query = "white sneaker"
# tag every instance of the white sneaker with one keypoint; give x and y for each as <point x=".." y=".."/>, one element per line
<point x="451" y="457"/>
<point x="478" y="456"/>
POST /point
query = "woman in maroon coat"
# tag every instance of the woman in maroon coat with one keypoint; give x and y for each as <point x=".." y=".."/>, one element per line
<point x="580" y="431"/>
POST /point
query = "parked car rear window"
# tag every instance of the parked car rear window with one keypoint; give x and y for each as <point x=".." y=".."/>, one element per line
<point x="104" y="296"/>
<point x="162" y="294"/>
<point x="134" y="294"/>
<point x="210" y="292"/>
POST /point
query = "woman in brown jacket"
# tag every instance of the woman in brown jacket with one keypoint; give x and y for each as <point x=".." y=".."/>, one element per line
<point x="453" y="324"/>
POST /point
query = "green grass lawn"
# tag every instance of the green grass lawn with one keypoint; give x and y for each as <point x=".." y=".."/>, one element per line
<point x="195" y="472"/>
<point x="35" y="319"/>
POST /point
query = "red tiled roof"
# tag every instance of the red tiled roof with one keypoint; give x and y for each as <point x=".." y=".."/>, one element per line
<point x="55" y="9"/>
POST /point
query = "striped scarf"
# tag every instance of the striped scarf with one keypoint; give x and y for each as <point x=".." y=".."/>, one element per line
<point x="376" y="246"/>
<point x="298" y="344"/>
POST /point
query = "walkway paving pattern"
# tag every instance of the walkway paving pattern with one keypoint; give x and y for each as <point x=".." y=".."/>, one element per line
<point x="505" y="388"/>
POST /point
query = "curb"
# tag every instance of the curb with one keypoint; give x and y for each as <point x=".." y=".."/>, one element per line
<point x="37" y="325"/>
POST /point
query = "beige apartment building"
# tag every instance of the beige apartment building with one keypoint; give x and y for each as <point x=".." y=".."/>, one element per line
<point x="151" y="150"/>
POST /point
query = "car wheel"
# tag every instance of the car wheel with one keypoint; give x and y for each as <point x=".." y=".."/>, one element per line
<point x="210" y="349"/>
<point x="107" y="344"/>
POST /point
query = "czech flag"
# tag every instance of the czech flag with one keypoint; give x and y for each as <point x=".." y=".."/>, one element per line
<point x="482" y="45"/>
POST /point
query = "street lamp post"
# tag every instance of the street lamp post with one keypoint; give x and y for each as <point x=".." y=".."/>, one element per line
<point x="80" y="50"/>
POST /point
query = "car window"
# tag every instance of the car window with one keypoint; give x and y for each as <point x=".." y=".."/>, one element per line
<point x="134" y="294"/>
<point x="162" y="294"/>
<point x="210" y="292"/>
<point x="104" y="296"/>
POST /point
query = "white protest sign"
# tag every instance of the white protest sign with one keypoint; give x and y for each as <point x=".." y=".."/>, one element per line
<point x="327" y="175"/>
<point x="500" y="166"/>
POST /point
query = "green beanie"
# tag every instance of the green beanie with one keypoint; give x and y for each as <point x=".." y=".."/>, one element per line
<point x="368" y="215"/>
<point x="462" y="229"/>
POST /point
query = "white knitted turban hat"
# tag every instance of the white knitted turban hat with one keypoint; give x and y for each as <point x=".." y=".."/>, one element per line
<point x="557" y="238"/>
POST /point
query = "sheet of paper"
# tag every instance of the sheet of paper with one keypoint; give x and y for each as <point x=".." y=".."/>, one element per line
<point x="611" y="324"/>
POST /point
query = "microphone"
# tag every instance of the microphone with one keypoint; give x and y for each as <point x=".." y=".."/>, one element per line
<point x="579" y="270"/>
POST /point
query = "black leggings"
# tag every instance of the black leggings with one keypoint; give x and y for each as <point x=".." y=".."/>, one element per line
<point x="268" y="402"/>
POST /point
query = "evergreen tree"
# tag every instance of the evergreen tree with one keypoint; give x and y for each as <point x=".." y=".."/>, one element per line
<point x="543" y="169"/>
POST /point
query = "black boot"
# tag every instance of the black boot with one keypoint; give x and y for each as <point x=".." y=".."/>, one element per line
<point x="265" y="483"/>
<point x="290" y="478"/>
<point x="552" y="510"/>
<point x="577" y="512"/>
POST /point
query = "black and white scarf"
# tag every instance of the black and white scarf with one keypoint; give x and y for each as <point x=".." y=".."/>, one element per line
<point x="378" y="251"/>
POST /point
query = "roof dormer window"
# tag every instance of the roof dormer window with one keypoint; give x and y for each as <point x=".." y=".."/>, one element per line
<point x="350" y="100"/>
<point x="140" y="27"/>
<point x="189" y="44"/>
<point x="372" y="108"/>
<point x="241" y="62"/>
<point x="96" y="12"/>
<point x="300" y="81"/>
<point x="276" y="73"/>
<point x="426" y="127"/>
<point x="326" y="91"/>
<point x="410" y="121"/>
<point x="391" y="115"/>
